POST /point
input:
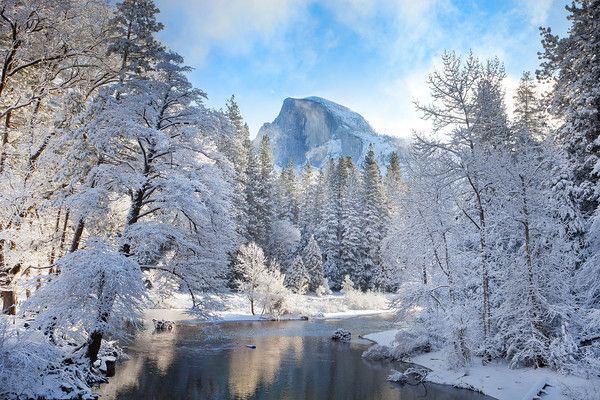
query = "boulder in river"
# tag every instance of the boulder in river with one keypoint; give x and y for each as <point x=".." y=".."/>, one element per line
<point x="341" y="335"/>
<point x="163" y="325"/>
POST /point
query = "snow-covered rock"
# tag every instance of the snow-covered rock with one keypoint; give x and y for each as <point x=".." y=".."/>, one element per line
<point x="163" y="325"/>
<point x="341" y="335"/>
<point x="314" y="129"/>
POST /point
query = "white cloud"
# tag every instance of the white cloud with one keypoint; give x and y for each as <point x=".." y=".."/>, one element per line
<point x="234" y="26"/>
<point x="538" y="11"/>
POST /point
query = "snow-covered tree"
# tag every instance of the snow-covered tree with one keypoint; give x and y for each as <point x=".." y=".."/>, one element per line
<point x="261" y="194"/>
<point x="571" y="66"/>
<point x="352" y="235"/>
<point x="347" y="284"/>
<point x="374" y="215"/>
<point x="313" y="262"/>
<point x="252" y="265"/>
<point x="297" y="277"/>
<point x="237" y="147"/>
<point x="310" y="202"/>
<point x="105" y="291"/>
<point x="273" y="295"/>
<point x="132" y="37"/>
<point x="284" y="242"/>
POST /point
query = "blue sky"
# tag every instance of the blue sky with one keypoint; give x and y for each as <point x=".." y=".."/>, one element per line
<point x="370" y="55"/>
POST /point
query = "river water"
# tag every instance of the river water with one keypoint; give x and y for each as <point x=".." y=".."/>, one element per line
<point x="292" y="360"/>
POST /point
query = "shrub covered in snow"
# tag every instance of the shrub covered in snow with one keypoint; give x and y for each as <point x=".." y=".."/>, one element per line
<point x="409" y="343"/>
<point x="272" y="293"/>
<point x="377" y="352"/>
<point x="357" y="300"/>
<point x="323" y="289"/>
<point x="30" y="367"/>
<point x="347" y="285"/>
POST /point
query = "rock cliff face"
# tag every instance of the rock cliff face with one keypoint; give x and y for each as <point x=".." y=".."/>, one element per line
<point x="314" y="129"/>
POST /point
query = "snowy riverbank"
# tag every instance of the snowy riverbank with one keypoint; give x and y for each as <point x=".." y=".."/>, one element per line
<point x="497" y="380"/>
<point x="232" y="307"/>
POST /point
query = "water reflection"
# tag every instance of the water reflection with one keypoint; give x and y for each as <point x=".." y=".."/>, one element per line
<point x="292" y="360"/>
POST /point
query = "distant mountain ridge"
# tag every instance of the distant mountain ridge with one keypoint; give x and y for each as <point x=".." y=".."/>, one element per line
<point x="314" y="129"/>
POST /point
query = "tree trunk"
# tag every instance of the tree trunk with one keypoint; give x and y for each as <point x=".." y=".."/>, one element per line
<point x="9" y="302"/>
<point x="4" y="141"/>
<point x="52" y="256"/>
<point x="105" y="304"/>
<point x="77" y="235"/>
<point x="252" y="306"/>
<point x="94" y="343"/>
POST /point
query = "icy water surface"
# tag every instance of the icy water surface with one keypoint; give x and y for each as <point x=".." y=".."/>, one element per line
<point x="292" y="360"/>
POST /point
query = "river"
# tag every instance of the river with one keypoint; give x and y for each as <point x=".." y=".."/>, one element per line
<point x="292" y="360"/>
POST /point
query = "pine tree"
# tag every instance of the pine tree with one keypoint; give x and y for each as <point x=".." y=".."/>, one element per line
<point x="132" y="33"/>
<point x="266" y="196"/>
<point x="374" y="222"/>
<point x="347" y="285"/>
<point x="252" y="196"/>
<point x="296" y="277"/>
<point x="529" y="113"/>
<point x="313" y="263"/>
<point x="287" y="194"/>
<point x="307" y="213"/>
<point x="237" y="149"/>
<point x="571" y="64"/>
<point x="350" y="222"/>
<point x="329" y="228"/>
<point x="394" y="182"/>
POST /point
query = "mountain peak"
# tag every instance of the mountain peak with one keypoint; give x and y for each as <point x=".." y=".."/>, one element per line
<point x="313" y="129"/>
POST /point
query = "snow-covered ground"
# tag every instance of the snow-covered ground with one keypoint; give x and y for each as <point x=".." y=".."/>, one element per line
<point x="235" y="307"/>
<point x="497" y="380"/>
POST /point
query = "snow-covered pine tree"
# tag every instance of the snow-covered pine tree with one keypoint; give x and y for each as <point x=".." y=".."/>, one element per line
<point x="132" y="36"/>
<point x="347" y="285"/>
<point x="396" y="191"/>
<point x="375" y="217"/>
<point x="287" y="194"/>
<point x="572" y="66"/>
<point x="351" y="238"/>
<point x="296" y="277"/>
<point x="236" y="148"/>
<point x="265" y="200"/>
<point x="308" y="212"/>
<point x="394" y="182"/>
<point x="313" y="262"/>
<point x="328" y="228"/>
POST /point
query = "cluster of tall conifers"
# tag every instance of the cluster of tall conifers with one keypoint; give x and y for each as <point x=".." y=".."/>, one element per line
<point x="345" y="207"/>
<point x="109" y="170"/>
<point x="498" y="228"/>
